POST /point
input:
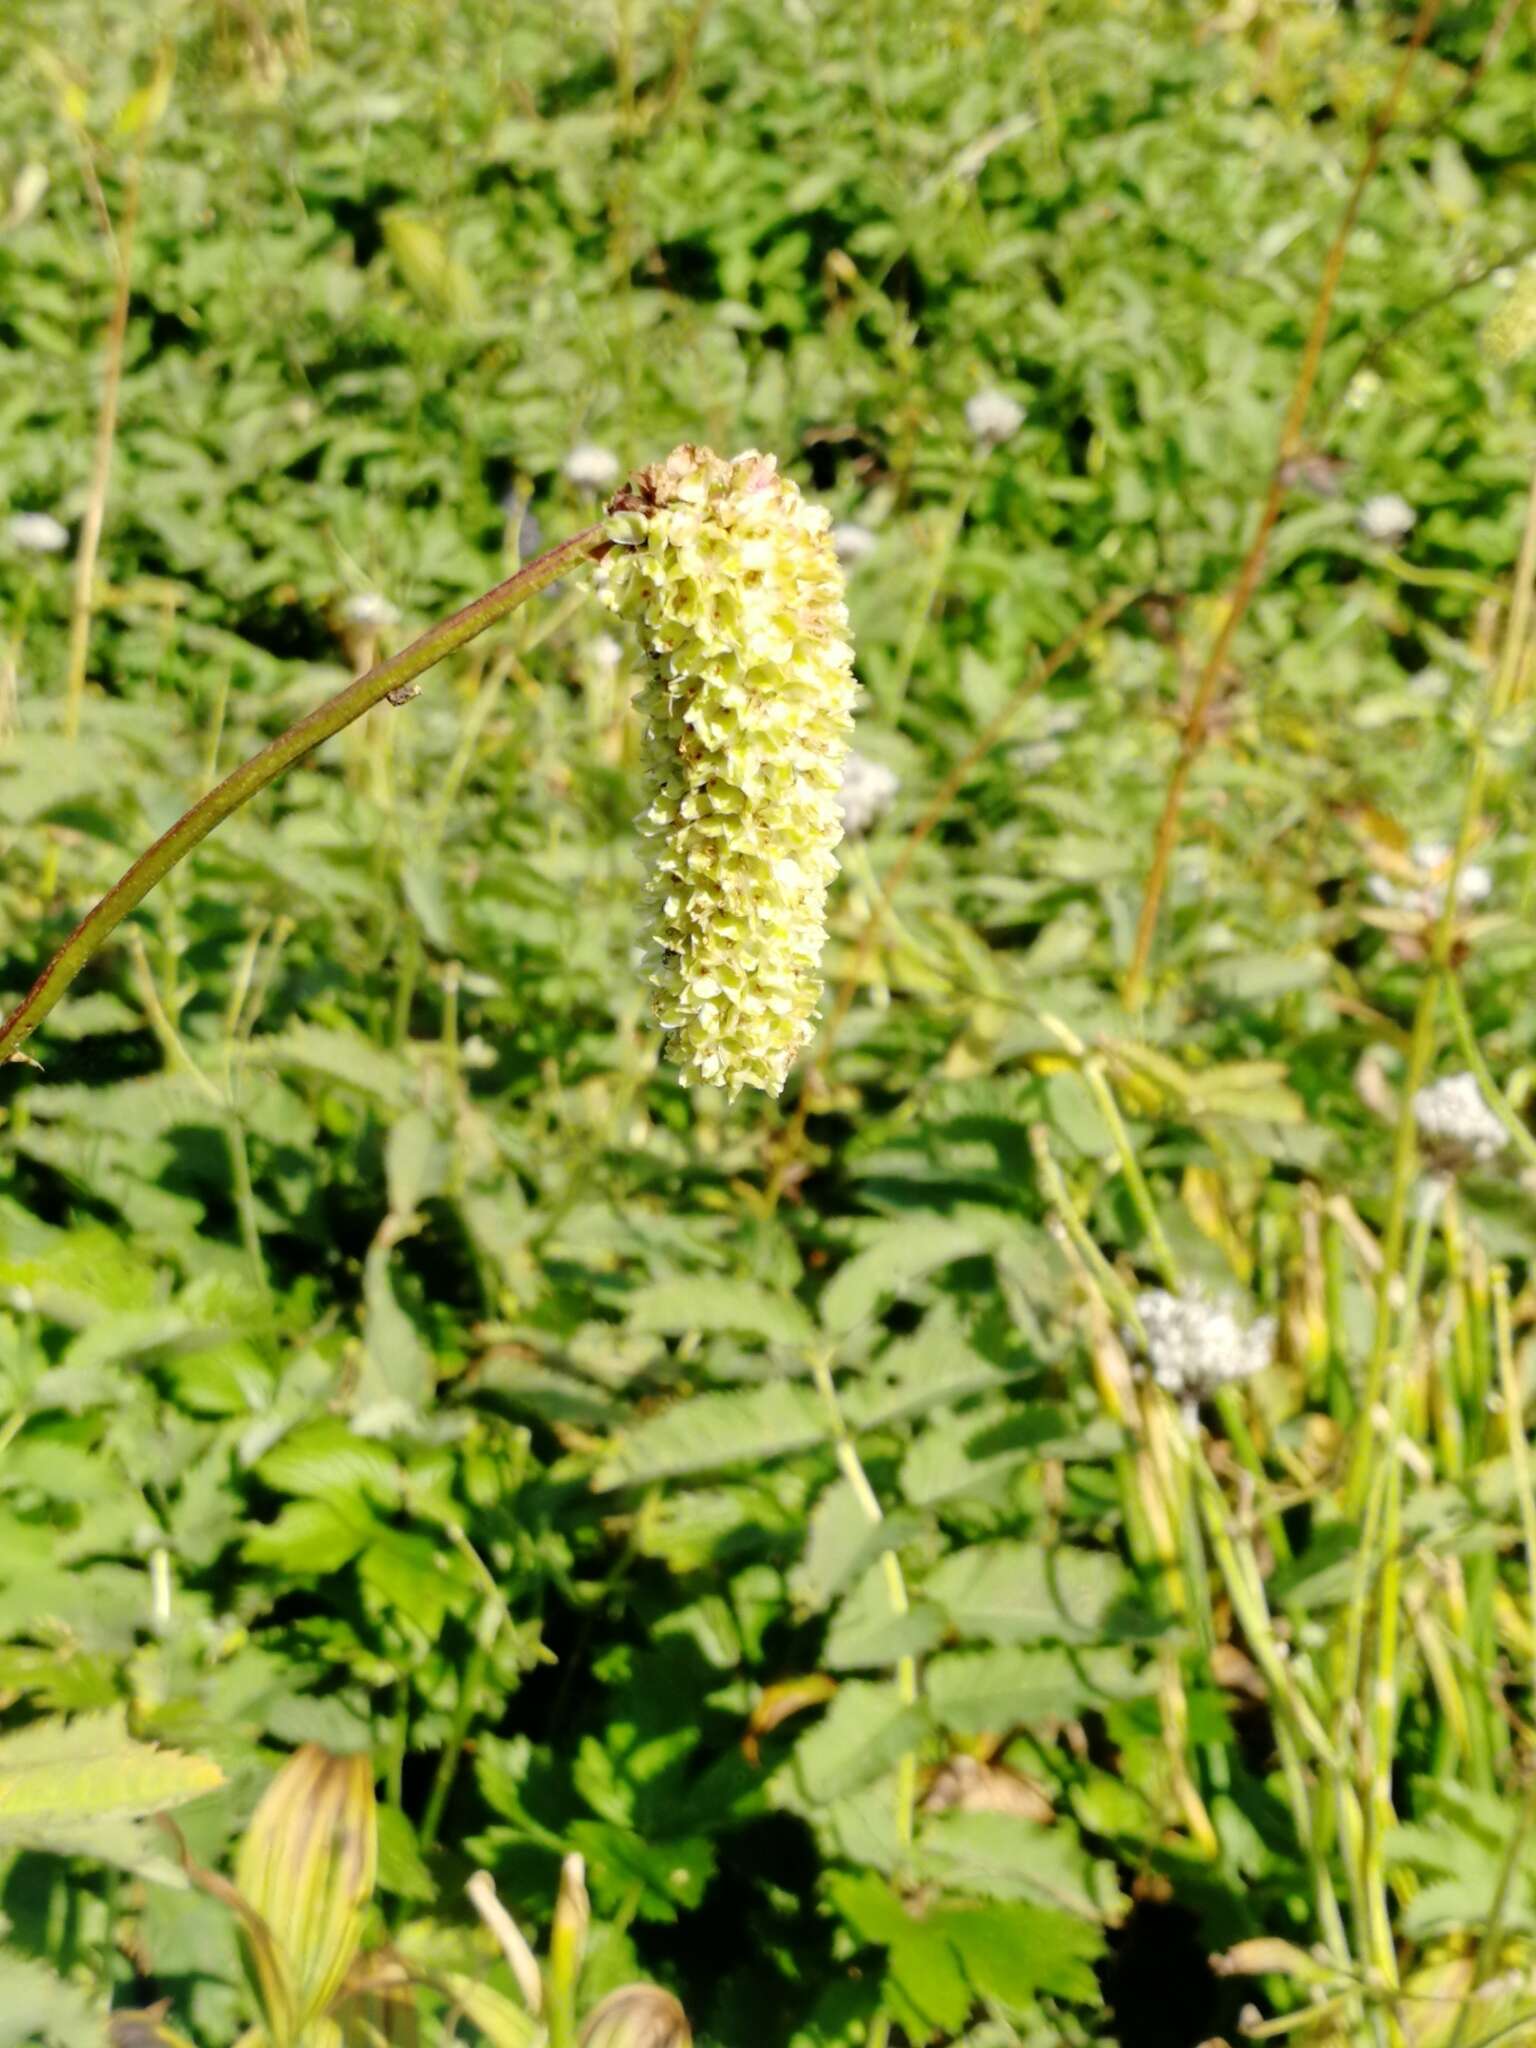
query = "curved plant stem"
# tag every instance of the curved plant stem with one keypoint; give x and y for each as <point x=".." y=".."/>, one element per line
<point x="389" y="678"/>
<point x="1198" y="718"/>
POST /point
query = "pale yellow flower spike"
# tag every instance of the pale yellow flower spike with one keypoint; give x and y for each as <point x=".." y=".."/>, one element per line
<point x="734" y="584"/>
<point x="1511" y="332"/>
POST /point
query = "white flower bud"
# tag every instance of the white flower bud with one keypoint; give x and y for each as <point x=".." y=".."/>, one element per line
<point x="1387" y="518"/>
<point x="993" y="416"/>
<point x="1196" y="1344"/>
<point x="368" y="608"/>
<point x="868" y="791"/>
<point x="37" y="533"/>
<point x="1453" y="1117"/>
<point x="591" y="468"/>
<point x="1426" y="894"/>
<point x="854" y="543"/>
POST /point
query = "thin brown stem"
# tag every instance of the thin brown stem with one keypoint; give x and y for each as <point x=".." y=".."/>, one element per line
<point x="1249" y="576"/>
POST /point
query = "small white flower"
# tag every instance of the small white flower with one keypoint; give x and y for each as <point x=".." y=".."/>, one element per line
<point x="368" y="608"/>
<point x="477" y="1052"/>
<point x="868" y="791"/>
<point x="1196" y="1344"/>
<point x="1426" y="896"/>
<point x="1433" y="858"/>
<point x="592" y="468"/>
<point x="1387" y="517"/>
<point x="854" y="543"/>
<point x="37" y="533"/>
<point x="1361" y="389"/>
<point x="993" y="416"/>
<point x="1452" y="1115"/>
<point x="606" y="651"/>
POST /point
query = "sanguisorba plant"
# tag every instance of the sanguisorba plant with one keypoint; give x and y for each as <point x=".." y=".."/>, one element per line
<point x="733" y="581"/>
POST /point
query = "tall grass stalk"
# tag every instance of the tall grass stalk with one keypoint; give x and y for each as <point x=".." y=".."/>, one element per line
<point x="1421" y="1043"/>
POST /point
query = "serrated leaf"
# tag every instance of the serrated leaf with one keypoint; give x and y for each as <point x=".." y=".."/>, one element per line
<point x="60" y="1774"/>
<point x="1003" y="1856"/>
<point x="41" y="2010"/>
<point x="979" y="1692"/>
<point x="864" y="1731"/>
<point x="866" y="1634"/>
<point x="841" y="1543"/>
<point x="342" y="1056"/>
<point x="1026" y="1593"/>
<point x="902" y="1253"/>
<point x="710" y="1431"/>
<point x="706" y="1304"/>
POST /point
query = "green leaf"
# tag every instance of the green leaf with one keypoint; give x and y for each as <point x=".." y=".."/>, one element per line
<point x="708" y="1305"/>
<point x="345" y="1057"/>
<point x="36" y="2007"/>
<point x="709" y="1431"/>
<point x="979" y="1692"/>
<point x="1013" y="1952"/>
<point x="842" y="1543"/>
<point x="325" y="1460"/>
<point x="924" y="1977"/>
<point x="865" y="1730"/>
<point x="936" y="1364"/>
<point x="311" y="1538"/>
<point x="1003" y="1856"/>
<point x="865" y="1634"/>
<point x="902" y="1253"/>
<point x="396" y="1380"/>
<point x="80" y="1788"/>
<point x="1026" y="1593"/>
<point x="65" y="1772"/>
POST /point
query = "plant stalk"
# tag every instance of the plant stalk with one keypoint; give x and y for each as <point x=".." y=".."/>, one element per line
<point x="1250" y="575"/>
<point x="387" y="678"/>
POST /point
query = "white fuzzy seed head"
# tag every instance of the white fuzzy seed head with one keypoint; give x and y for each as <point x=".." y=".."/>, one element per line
<point x="1196" y="1344"/>
<point x="368" y="608"/>
<point x="1387" y="518"/>
<point x="591" y="468"/>
<point x="1453" y="1118"/>
<point x="854" y="543"/>
<point x="868" y="791"/>
<point x="993" y="416"/>
<point x="1425" y="895"/>
<point x="734" y="585"/>
<point x="36" y="533"/>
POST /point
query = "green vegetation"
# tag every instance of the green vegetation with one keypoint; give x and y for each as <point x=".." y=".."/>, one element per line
<point x="770" y="1503"/>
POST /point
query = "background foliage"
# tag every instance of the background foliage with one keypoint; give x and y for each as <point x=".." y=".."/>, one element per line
<point x="395" y="1357"/>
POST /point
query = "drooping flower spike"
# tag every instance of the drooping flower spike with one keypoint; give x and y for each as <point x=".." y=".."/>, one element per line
<point x="734" y="584"/>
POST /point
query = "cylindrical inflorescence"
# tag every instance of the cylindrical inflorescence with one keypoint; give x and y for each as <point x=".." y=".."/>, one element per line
<point x="734" y="585"/>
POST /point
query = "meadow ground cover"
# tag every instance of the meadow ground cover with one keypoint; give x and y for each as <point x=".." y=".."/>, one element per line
<point x="1027" y="1537"/>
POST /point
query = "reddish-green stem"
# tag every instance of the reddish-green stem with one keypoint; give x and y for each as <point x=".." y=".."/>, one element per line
<point x="252" y="776"/>
<point x="1250" y="575"/>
